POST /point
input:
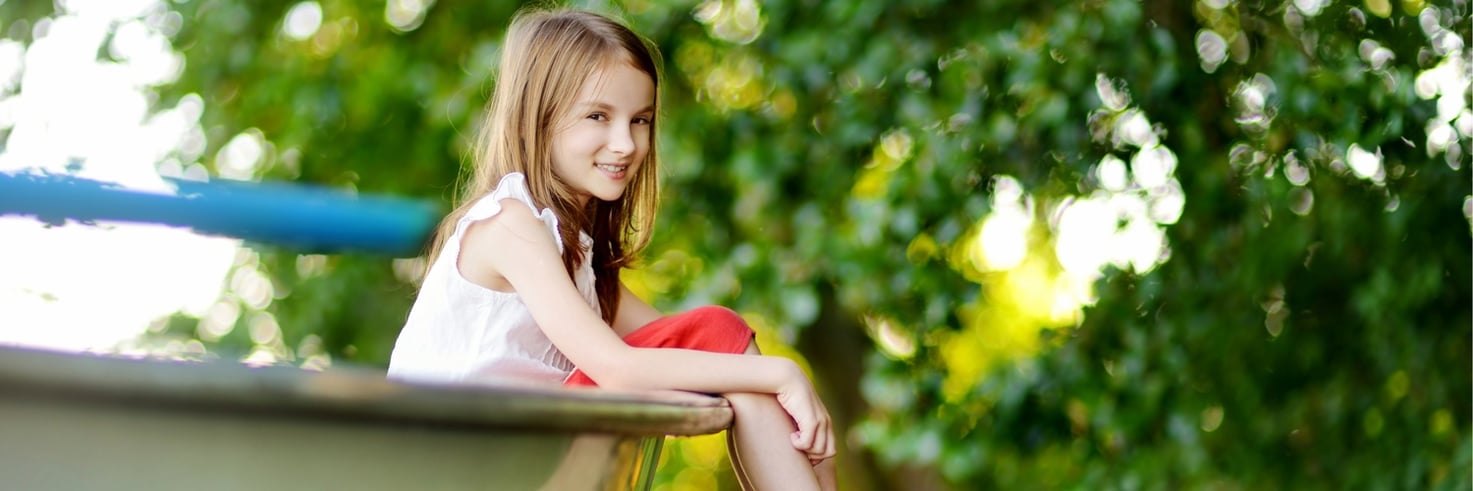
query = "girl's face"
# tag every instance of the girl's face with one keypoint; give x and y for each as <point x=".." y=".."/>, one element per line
<point x="600" y="150"/>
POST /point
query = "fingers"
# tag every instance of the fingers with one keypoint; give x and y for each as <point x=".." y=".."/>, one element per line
<point x="831" y="448"/>
<point x="814" y="435"/>
<point x="816" y="440"/>
<point x="808" y="432"/>
<point x="821" y="440"/>
<point x="828" y="443"/>
<point x="823" y="446"/>
<point x="804" y="437"/>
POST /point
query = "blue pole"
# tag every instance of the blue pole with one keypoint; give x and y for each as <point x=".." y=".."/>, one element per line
<point x="309" y="219"/>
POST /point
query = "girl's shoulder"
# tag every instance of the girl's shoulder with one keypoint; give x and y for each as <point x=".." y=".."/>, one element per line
<point x="512" y="186"/>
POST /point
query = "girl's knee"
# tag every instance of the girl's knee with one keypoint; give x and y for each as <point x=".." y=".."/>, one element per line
<point x="715" y="317"/>
<point x="718" y="314"/>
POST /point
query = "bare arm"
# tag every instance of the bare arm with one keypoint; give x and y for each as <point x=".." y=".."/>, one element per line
<point x="513" y="248"/>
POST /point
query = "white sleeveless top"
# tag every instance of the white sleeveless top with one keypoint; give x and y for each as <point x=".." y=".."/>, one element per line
<point x="461" y="332"/>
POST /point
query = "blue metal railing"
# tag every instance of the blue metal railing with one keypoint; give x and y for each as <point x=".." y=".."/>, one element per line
<point x="310" y="219"/>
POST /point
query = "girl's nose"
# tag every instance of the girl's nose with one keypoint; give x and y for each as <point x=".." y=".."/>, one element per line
<point x="621" y="139"/>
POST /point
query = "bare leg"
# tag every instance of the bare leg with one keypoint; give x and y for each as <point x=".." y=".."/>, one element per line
<point x="736" y="463"/>
<point x="764" y="454"/>
<point x="574" y="470"/>
<point x="731" y="445"/>
<point x="828" y="479"/>
<point x="760" y="429"/>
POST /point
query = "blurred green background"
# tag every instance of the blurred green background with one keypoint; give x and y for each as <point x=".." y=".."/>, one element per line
<point x="1100" y="244"/>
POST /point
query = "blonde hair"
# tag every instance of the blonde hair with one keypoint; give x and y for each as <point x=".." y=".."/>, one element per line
<point x="547" y="57"/>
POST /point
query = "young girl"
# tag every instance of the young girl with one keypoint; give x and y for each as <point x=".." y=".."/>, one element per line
<point x="525" y="279"/>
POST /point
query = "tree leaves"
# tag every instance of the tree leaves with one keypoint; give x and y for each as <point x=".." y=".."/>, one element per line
<point x="833" y="167"/>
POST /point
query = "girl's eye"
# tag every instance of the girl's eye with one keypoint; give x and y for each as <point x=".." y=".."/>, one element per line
<point x="643" y="120"/>
<point x="598" y="117"/>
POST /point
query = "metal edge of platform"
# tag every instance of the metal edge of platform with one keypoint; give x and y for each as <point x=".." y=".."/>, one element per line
<point x="354" y="394"/>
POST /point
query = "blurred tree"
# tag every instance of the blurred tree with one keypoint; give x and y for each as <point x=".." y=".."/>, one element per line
<point x="1108" y="243"/>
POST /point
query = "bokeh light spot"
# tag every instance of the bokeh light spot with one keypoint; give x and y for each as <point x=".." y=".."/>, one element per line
<point x="302" y="21"/>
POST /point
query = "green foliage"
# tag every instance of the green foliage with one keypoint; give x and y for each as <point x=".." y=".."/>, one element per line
<point x="831" y="165"/>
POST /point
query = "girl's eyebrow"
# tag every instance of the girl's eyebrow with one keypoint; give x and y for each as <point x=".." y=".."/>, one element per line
<point x="609" y="107"/>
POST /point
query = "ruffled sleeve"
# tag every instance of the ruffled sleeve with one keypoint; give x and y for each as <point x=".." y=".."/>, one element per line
<point x="514" y="186"/>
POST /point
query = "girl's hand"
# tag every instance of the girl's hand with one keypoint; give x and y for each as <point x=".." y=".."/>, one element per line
<point x="815" y="433"/>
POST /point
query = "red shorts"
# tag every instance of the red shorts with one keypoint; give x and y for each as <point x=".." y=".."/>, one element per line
<point x="713" y="329"/>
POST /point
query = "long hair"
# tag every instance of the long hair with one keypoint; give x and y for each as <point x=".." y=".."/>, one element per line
<point x="545" y="60"/>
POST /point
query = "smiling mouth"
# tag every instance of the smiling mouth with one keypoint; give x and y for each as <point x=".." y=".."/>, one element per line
<point x="612" y="168"/>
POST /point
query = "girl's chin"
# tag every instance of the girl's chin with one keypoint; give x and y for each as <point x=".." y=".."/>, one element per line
<point x="609" y="195"/>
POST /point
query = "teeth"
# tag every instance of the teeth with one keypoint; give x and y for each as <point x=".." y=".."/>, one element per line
<point x="611" y="168"/>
